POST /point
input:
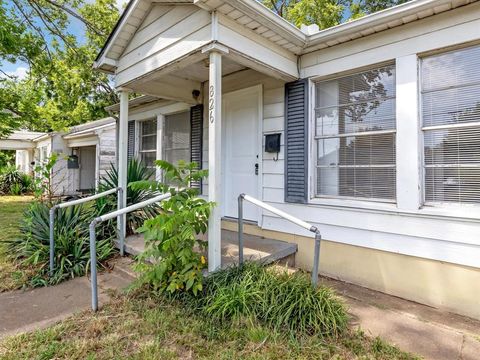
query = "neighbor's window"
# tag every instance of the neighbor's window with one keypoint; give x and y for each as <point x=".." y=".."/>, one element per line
<point x="148" y="143"/>
<point x="176" y="138"/>
<point x="451" y="126"/>
<point x="355" y="135"/>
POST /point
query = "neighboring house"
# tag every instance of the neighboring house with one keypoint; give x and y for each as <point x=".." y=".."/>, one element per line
<point x="379" y="123"/>
<point x="90" y="147"/>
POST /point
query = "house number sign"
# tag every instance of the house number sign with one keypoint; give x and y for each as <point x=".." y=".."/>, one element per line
<point x="212" y="104"/>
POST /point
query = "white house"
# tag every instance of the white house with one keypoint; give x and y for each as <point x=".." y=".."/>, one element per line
<point x="379" y="123"/>
<point x="85" y="152"/>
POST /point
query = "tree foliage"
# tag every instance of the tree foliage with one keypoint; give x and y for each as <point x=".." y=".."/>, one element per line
<point x="60" y="88"/>
<point x="326" y="13"/>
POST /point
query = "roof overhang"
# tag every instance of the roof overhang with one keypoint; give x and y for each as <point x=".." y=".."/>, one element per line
<point x="256" y="17"/>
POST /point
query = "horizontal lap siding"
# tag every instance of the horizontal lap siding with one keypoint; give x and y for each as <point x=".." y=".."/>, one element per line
<point x="168" y="34"/>
<point x="107" y="143"/>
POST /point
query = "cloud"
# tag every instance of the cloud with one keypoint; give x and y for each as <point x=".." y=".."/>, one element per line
<point x="20" y="73"/>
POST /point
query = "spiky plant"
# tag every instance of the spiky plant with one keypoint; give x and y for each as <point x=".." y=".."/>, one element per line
<point x="136" y="171"/>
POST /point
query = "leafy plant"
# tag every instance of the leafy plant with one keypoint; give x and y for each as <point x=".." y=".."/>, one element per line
<point x="72" y="252"/>
<point x="171" y="240"/>
<point x="44" y="188"/>
<point x="14" y="182"/>
<point x="279" y="300"/>
<point x="136" y="172"/>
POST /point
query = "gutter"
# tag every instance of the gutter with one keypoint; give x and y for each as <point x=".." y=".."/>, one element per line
<point x="87" y="132"/>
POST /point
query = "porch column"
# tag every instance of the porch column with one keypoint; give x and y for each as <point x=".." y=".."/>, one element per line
<point x="215" y="159"/>
<point x="122" y="147"/>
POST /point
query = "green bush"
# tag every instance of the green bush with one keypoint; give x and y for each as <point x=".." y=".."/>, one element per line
<point x="171" y="237"/>
<point x="72" y="252"/>
<point x="136" y="172"/>
<point x="279" y="300"/>
<point x="14" y="182"/>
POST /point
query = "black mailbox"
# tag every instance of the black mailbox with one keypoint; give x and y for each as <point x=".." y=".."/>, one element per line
<point x="72" y="162"/>
<point x="272" y="143"/>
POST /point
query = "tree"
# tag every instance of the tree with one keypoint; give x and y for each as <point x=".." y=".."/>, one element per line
<point x="326" y="13"/>
<point x="60" y="89"/>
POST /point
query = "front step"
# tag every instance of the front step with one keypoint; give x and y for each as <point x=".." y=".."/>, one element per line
<point x="256" y="248"/>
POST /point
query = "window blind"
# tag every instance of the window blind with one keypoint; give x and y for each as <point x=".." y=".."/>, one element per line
<point x="451" y="126"/>
<point x="355" y="135"/>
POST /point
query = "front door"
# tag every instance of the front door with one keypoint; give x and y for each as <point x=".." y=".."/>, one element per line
<point x="87" y="159"/>
<point x="241" y="114"/>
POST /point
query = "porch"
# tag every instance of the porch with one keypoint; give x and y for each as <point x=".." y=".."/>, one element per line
<point x="256" y="248"/>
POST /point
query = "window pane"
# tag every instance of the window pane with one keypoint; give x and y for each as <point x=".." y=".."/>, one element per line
<point x="149" y="127"/>
<point x="148" y="142"/>
<point x="351" y="162"/>
<point x="456" y="68"/>
<point x="451" y="100"/>
<point x="148" y="159"/>
<point x="176" y="141"/>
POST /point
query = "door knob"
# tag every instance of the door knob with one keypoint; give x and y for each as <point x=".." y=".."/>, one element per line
<point x="256" y="169"/>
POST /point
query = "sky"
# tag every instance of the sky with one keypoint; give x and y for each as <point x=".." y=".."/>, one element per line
<point x="76" y="28"/>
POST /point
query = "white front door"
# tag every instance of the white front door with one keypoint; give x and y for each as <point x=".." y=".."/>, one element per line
<point x="241" y="145"/>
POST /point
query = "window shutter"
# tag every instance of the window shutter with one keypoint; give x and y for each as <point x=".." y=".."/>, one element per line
<point x="131" y="140"/>
<point x="296" y="141"/>
<point x="196" y="137"/>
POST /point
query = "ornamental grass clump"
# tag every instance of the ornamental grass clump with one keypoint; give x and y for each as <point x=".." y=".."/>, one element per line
<point x="282" y="301"/>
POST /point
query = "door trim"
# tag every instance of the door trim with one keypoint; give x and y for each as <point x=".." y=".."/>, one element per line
<point x="258" y="89"/>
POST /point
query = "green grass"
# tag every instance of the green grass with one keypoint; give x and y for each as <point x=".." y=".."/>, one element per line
<point x="140" y="327"/>
<point x="11" y="212"/>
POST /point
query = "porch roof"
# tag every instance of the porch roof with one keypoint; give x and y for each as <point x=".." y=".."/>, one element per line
<point x="253" y="16"/>
<point x="21" y="140"/>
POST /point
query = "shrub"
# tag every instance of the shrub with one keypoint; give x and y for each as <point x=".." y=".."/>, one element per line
<point x="14" y="182"/>
<point x="171" y="237"/>
<point x="279" y="300"/>
<point x="136" y="172"/>
<point x="72" y="252"/>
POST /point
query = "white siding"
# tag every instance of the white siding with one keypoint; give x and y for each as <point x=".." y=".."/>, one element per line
<point x="176" y="32"/>
<point x="107" y="151"/>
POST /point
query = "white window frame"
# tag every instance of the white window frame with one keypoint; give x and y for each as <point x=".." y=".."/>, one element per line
<point x="437" y="205"/>
<point x="314" y="198"/>
<point x="140" y="137"/>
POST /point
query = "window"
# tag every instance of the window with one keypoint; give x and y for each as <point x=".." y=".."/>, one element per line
<point x="450" y="96"/>
<point x="176" y="138"/>
<point x="355" y="136"/>
<point x="148" y="143"/>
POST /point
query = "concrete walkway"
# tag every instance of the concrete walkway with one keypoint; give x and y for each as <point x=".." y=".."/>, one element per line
<point x="22" y="311"/>
<point x="412" y="327"/>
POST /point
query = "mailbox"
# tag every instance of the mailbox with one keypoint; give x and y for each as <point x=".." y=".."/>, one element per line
<point x="72" y="162"/>
<point x="272" y="143"/>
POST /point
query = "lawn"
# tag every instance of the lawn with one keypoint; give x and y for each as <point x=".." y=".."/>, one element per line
<point x="137" y="327"/>
<point x="11" y="211"/>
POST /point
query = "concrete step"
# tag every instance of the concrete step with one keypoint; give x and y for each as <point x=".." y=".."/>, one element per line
<point x="256" y="248"/>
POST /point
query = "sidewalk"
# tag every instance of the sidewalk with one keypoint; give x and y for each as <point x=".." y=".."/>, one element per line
<point x="22" y="311"/>
<point x="412" y="327"/>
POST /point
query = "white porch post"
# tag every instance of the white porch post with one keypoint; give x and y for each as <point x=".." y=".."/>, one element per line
<point x="215" y="159"/>
<point x="122" y="163"/>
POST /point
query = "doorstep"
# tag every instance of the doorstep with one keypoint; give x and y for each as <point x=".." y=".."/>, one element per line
<point x="256" y="248"/>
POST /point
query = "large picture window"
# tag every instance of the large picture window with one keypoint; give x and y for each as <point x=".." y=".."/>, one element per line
<point x="451" y="126"/>
<point x="355" y="136"/>
<point x="148" y="143"/>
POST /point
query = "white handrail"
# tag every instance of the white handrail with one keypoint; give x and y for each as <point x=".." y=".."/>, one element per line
<point x="93" y="240"/>
<point x="291" y="218"/>
<point x="72" y="203"/>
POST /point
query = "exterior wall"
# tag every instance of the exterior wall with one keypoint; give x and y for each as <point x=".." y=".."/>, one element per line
<point x="273" y="120"/>
<point x="449" y="234"/>
<point x="60" y="172"/>
<point x="443" y="285"/>
<point x="168" y="33"/>
<point x="23" y="158"/>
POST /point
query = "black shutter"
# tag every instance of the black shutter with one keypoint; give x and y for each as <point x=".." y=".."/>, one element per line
<point x="296" y="141"/>
<point x="131" y="140"/>
<point x="196" y="140"/>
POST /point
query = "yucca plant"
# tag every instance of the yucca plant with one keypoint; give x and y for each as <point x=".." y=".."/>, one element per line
<point x="136" y="171"/>
<point x="72" y="252"/>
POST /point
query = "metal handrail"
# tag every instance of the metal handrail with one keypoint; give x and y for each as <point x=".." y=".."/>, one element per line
<point x="77" y="202"/>
<point x="93" y="240"/>
<point x="293" y="219"/>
